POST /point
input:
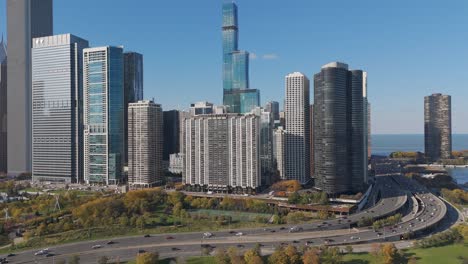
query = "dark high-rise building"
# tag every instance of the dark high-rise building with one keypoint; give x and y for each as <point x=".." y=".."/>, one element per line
<point x="133" y="87"/>
<point x="438" y="127"/>
<point x="237" y="95"/>
<point x="27" y="19"/>
<point x="340" y="131"/>
<point x="311" y="150"/>
<point x="273" y="108"/>
<point x="3" y="107"/>
<point x="171" y="133"/>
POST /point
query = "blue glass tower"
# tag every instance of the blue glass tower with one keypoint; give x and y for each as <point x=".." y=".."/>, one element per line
<point x="238" y="97"/>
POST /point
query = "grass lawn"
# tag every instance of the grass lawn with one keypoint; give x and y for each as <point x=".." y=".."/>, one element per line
<point x="201" y="260"/>
<point x="236" y="215"/>
<point x="437" y="255"/>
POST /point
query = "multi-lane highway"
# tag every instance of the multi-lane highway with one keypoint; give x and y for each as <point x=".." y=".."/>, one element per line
<point x="422" y="210"/>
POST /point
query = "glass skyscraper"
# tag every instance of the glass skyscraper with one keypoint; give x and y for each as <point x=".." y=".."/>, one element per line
<point x="104" y="114"/>
<point x="238" y="97"/>
<point x="57" y="127"/>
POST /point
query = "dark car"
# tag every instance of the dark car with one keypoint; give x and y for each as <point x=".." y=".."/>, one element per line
<point x="232" y="232"/>
<point x="240" y="246"/>
<point x="49" y="255"/>
<point x="272" y="231"/>
<point x="146" y="235"/>
<point x="175" y="249"/>
<point x="141" y="251"/>
<point x="282" y="228"/>
<point x="11" y="255"/>
<point x="110" y="243"/>
<point x="169" y="237"/>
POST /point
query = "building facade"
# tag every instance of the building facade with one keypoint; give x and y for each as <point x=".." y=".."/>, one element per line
<point x="103" y="115"/>
<point x="273" y="108"/>
<point x="267" y="167"/>
<point x="237" y="96"/>
<point x="145" y="144"/>
<point x="438" y="127"/>
<point x="57" y="105"/>
<point x="3" y="107"/>
<point x="171" y="133"/>
<point x="176" y="163"/>
<point x="297" y="127"/>
<point x="221" y="152"/>
<point x="133" y="86"/>
<point x="26" y="19"/>
<point x="279" y="151"/>
<point x="340" y="131"/>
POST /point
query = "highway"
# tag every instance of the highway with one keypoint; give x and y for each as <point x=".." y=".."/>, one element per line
<point x="395" y="192"/>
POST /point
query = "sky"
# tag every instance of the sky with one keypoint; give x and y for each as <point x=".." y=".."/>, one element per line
<point x="410" y="49"/>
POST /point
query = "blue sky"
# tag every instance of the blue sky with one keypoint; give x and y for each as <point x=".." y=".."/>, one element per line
<point x="410" y="48"/>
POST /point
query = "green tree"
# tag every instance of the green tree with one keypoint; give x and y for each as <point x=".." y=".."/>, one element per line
<point x="331" y="255"/>
<point x="349" y="249"/>
<point x="147" y="258"/>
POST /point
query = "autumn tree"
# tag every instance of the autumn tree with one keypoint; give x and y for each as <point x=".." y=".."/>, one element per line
<point x="390" y="254"/>
<point x="221" y="257"/>
<point x="147" y="258"/>
<point x="293" y="255"/>
<point x="252" y="256"/>
<point x="311" y="256"/>
<point x="278" y="257"/>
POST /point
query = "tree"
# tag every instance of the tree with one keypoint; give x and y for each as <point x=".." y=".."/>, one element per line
<point x="293" y="255"/>
<point x="147" y="258"/>
<point x="75" y="259"/>
<point x="221" y="257"/>
<point x="234" y="256"/>
<point x="349" y="249"/>
<point x="412" y="260"/>
<point x="103" y="260"/>
<point x="252" y="256"/>
<point x="331" y="255"/>
<point x="278" y="257"/>
<point x="311" y="256"/>
<point x="389" y="254"/>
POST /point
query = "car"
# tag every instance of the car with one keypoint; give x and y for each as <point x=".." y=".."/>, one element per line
<point x="308" y="243"/>
<point x="207" y="235"/>
<point x="11" y="255"/>
<point x="96" y="247"/>
<point x="272" y="231"/>
<point x="240" y="246"/>
<point x="175" y="249"/>
<point x="206" y="246"/>
<point x="232" y="232"/>
<point x="141" y="251"/>
<point x="110" y="242"/>
<point x="296" y="242"/>
<point x="239" y="234"/>
<point x="169" y="237"/>
<point x="49" y="255"/>
<point x="282" y="228"/>
<point x="147" y="235"/>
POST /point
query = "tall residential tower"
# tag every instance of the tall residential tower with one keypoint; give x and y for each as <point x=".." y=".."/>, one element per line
<point x="237" y="96"/>
<point x="438" y="127"/>
<point x="27" y="19"/>
<point x="340" y="129"/>
<point x="297" y="128"/>
<point x="57" y="104"/>
<point x="3" y="107"/>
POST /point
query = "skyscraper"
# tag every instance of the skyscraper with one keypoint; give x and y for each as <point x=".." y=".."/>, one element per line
<point x="279" y="147"/>
<point x="340" y="132"/>
<point x="133" y="86"/>
<point x="273" y="108"/>
<point x="57" y="104"/>
<point x="265" y="145"/>
<point x="3" y="107"/>
<point x="221" y="152"/>
<point x="297" y="127"/>
<point x="27" y="19"/>
<point x="438" y="127"/>
<point x="103" y="114"/>
<point x="145" y="144"/>
<point x="171" y="133"/>
<point x="237" y="96"/>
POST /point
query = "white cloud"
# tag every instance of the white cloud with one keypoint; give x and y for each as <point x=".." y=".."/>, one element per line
<point x="271" y="56"/>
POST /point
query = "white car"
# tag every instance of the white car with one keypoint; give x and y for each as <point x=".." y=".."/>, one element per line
<point x="96" y="246"/>
<point x="207" y="235"/>
<point x="239" y="234"/>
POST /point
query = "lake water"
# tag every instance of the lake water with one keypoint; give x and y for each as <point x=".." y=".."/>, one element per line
<point x="386" y="144"/>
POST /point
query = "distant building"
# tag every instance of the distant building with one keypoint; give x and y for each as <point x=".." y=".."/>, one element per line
<point x="26" y="19"/>
<point x="176" y="163"/>
<point x="266" y="145"/>
<point x="273" y="108"/>
<point x="3" y="107"/>
<point x="282" y="120"/>
<point x="237" y="96"/>
<point x="201" y="108"/>
<point x="279" y="151"/>
<point x="340" y="131"/>
<point x="438" y="127"/>
<point x="369" y="131"/>
<point x="221" y="152"/>
<point x="57" y="105"/>
<point x="145" y="144"/>
<point x="103" y="115"/>
<point x="311" y="149"/>
<point x="297" y="128"/>
<point x="171" y="133"/>
<point x="133" y="86"/>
